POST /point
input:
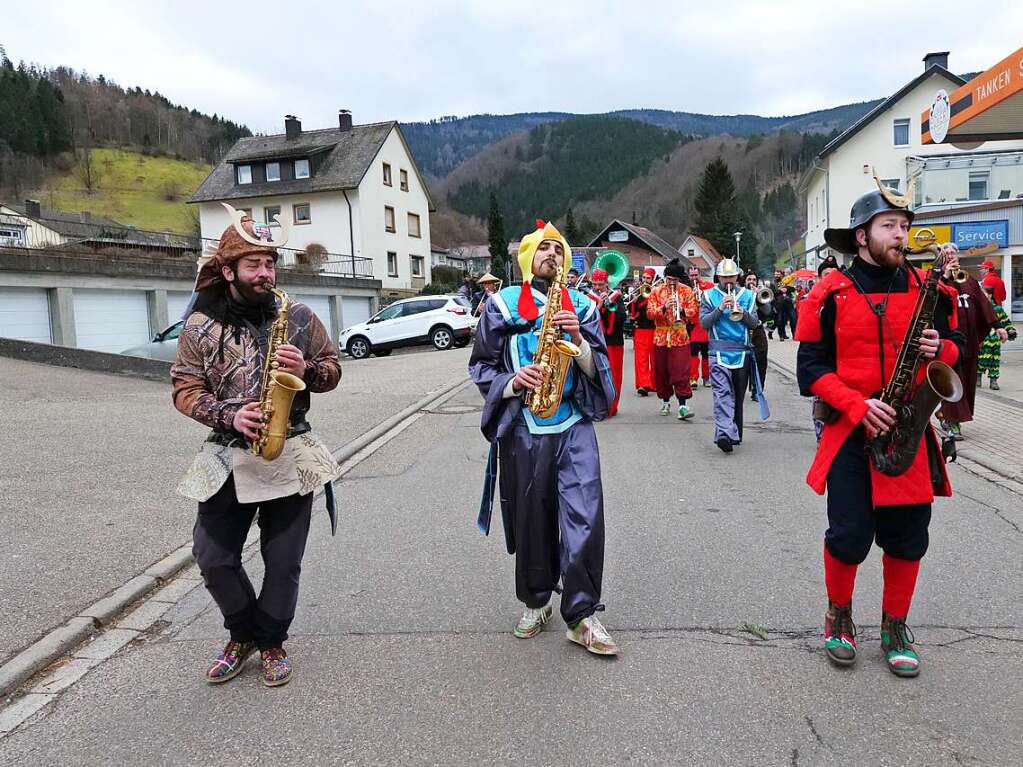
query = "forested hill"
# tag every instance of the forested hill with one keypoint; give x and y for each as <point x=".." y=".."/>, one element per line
<point x="45" y="114"/>
<point x="443" y="144"/>
<point x="558" y="164"/>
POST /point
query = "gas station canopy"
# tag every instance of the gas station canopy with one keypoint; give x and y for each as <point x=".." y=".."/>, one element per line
<point x="987" y="108"/>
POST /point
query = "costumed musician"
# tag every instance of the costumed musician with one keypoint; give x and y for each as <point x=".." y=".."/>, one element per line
<point x="728" y="314"/>
<point x="698" y="338"/>
<point x="642" y="334"/>
<point x="552" y="501"/>
<point x="672" y="306"/>
<point x="490" y="285"/>
<point x="758" y="335"/>
<point x="874" y="302"/>
<point x="217" y="379"/>
<point x="612" y="319"/>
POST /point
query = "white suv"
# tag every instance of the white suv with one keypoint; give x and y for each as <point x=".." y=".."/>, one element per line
<point x="444" y="321"/>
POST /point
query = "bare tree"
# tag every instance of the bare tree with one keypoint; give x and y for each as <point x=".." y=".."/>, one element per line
<point x="86" y="170"/>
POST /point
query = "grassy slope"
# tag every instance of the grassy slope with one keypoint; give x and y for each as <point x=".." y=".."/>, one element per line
<point x="131" y="189"/>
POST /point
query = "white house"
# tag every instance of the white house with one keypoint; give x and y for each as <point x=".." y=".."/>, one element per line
<point x="354" y="189"/>
<point x="888" y="138"/>
<point x="700" y="253"/>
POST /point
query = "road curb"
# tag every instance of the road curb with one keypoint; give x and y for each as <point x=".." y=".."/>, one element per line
<point x="61" y="640"/>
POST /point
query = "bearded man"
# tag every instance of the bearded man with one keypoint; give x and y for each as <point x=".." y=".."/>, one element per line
<point x="217" y="380"/>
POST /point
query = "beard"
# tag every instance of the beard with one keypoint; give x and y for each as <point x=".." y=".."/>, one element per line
<point x="883" y="255"/>
<point x="546" y="269"/>
<point x="257" y="293"/>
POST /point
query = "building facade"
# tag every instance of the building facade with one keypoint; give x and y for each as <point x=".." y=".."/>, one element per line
<point x="353" y="190"/>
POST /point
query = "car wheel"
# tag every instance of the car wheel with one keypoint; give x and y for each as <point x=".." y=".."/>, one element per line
<point x="358" y="348"/>
<point x="383" y="352"/>
<point x="442" y="338"/>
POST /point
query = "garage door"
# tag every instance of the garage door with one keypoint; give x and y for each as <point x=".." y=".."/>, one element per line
<point x="354" y="310"/>
<point x="25" y="314"/>
<point x="111" y="320"/>
<point x="320" y="306"/>
<point x="177" y="302"/>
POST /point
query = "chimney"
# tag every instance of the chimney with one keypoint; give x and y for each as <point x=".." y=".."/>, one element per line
<point x="292" y="127"/>
<point x="344" y="119"/>
<point x="33" y="209"/>
<point x="936" y="59"/>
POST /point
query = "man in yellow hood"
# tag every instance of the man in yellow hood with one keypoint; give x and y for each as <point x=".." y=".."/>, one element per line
<point x="552" y="500"/>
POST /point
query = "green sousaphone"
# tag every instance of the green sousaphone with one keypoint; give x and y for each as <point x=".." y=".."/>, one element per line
<point x="615" y="264"/>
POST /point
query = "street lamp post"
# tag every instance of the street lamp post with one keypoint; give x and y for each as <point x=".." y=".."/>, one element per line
<point x="738" y="235"/>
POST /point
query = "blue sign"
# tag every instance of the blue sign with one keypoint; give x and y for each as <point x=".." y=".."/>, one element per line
<point x="578" y="262"/>
<point x="975" y="234"/>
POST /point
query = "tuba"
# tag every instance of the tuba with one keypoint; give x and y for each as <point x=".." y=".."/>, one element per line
<point x="553" y="354"/>
<point x="277" y="389"/>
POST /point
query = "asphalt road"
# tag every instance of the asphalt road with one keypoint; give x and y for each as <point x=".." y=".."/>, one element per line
<point x="90" y="465"/>
<point x="403" y="651"/>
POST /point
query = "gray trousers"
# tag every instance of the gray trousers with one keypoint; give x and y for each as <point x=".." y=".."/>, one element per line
<point x="729" y="388"/>
<point x="217" y="540"/>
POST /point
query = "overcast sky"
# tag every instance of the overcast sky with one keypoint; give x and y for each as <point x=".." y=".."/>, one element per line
<point x="256" y="61"/>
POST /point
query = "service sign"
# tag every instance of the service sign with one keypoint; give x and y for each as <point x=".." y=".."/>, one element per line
<point x="974" y="234"/>
<point x="618" y="235"/>
<point x="578" y="262"/>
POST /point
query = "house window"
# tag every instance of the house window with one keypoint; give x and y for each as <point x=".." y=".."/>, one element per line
<point x="413" y="225"/>
<point x="403" y="180"/>
<point x="389" y="218"/>
<point x="273" y="171"/>
<point x="978" y="185"/>
<point x="387" y="174"/>
<point x="244" y="174"/>
<point x="892" y="183"/>
<point x="269" y="212"/>
<point x="417" y="265"/>
<point x="392" y="264"/>
<point x="301" y="169"/>
<point x="901" y="132"/>
<point x="302" y="213"/>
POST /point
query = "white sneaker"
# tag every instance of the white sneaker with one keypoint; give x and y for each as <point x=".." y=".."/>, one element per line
<point x="666" y="408"/>
<point x="593" y="636"/>
<point x="532" y="621"/>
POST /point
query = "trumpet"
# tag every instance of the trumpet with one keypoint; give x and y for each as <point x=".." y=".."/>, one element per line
<point x="737" y="312"/>
<point x="959" y="275"/>
<point x="642" y="291"/>
<point x="765" y="296"/>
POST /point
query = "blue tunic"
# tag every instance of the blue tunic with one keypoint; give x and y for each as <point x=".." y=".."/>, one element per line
<point x="726" y="330"/>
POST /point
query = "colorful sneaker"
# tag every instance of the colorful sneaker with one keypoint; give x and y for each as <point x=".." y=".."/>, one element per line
<point x="229" y="663"/>
<point x="955" y="431"/>
<point x="276" y="667"/>
<point x="593" y="636"/>
<point x="665" y="408"/>
<point x="684" y="413"/>
<point x="532" y="621"/>
<point x="840" y="635"/>
<point x="897" y="646"/>
<point x="994" y="385"/>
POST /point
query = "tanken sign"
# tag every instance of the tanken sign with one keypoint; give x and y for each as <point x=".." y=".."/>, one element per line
<point x="975" y="234"/>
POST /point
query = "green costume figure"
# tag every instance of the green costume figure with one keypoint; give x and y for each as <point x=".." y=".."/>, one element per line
<point x="990" y="361"/>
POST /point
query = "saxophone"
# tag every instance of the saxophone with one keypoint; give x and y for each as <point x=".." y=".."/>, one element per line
<point x="553" y="354"/>
<point x="893" y="451"/>
<point x="277" y="389"/>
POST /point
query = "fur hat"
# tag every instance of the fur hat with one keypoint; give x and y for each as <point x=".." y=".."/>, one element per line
<point x="675" y="269"/>
<point x="232" y="248"/>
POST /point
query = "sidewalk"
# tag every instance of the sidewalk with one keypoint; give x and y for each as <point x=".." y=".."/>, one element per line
<point x="997" y="416"/>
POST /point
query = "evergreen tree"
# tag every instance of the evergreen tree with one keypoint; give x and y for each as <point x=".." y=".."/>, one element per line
<point x="571" y="230"/>
<point x="498" y="242"/>
<point x="717" y="215"/>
